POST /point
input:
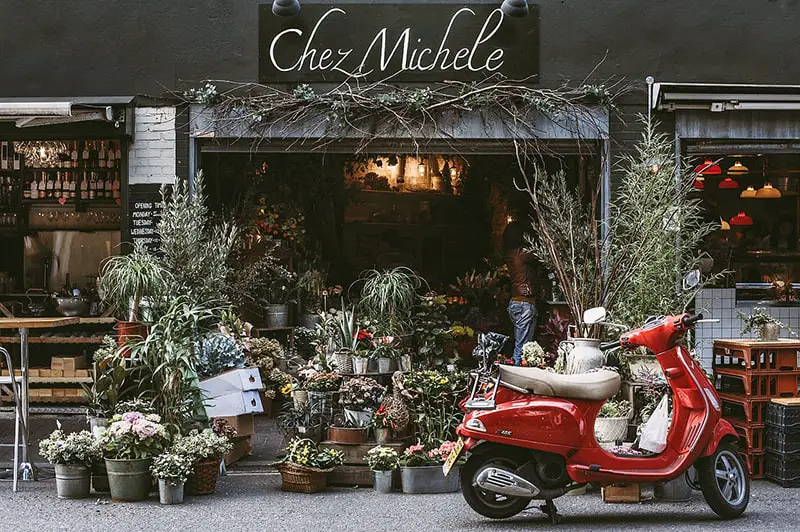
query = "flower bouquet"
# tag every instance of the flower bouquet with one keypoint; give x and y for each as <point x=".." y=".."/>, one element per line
<point x="172" y="471"/>
<point x="383" y="461"/>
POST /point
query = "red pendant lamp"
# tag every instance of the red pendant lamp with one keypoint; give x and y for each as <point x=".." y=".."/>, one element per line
<point x="728" y="183"/>
<point x="741" y="219"/>
<point x="708" y="168"/>
<point x="699" y="182"/>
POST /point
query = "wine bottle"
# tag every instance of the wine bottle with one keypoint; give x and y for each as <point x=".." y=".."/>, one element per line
<point x="50" y="187"/>
<point x="17" y="160"/>
<point x="74" y="154"/>
<point x="101" y="154"/>
<point x="85" y="153"/>
<point x="101" y="187"/>
<point x="31" y="189"/>
<point x="109" y="190"/>
<point x="92" y="186"/>
<point x="84" y="187"/>
<point x="111" y="156"/>
<point x="42" y="187"/>
<point x="118" y="154"/>
<point x="115" y="186"/>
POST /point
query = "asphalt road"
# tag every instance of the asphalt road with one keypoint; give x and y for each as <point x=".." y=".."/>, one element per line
<point x="248" y="500"/>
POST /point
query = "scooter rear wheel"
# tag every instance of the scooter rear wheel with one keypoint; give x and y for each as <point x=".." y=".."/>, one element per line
<point x="725" y="482"/>
<point x="490" y="504"/>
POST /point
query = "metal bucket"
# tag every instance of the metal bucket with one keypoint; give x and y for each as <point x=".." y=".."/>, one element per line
<point x="170" y="493"/>
<point x="100" y="478"/>
<point x="310" y="321"/>
<point x="360" y="365"/>
<point x="382" y="481"/>
<point x="96" y="424"/>
<point x="383" y="436"/>
<point x="129" y="480"/>
<point x="72" y="481"/>
<point x="277" y="316"/>
<point x="385" y="365"/>
<point x="430" y="479"/>
<point x="676" y="490"/>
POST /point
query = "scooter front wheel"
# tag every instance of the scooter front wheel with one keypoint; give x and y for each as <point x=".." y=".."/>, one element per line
<point x="725" y="482"/>
<point x="487" y="503"/>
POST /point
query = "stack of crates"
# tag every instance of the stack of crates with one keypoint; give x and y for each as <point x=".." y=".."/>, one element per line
<point x="748" y="374"/>
<point x="782" y="464"/>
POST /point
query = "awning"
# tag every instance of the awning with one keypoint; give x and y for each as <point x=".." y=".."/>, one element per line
<point x="31" y="112"/>
<point x="720" y="97"/>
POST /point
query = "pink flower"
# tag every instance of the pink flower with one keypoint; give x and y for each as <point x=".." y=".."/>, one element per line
<point x="131" y="416"/>
<point x="144" y="429"/>
<point x="414" y="448"/>
<point x="120" y="428"/>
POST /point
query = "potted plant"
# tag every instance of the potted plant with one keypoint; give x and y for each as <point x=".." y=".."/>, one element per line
<point x="127" y="280"/>
<point x="385" y="351"/>
<point x="768" y="328"/>
<point x="171" y="470"/>
<point x="205" y="451"/>
<point x="389" y="296"/>
<point x="612" y="421"/>
<point x="300" y="422"/>
<point x="347" y="432"/>
<point x="363" y="349"/>
<point x="465" y="339"/>
<point x="305" y="468"/>
<point x="72" y="455"/>
<point x="321" y="387"/>
<point x="421" y="469"/>
<point x="383" y="461"/>
<point x="360" y="396"/>
<point x="131" y="442"/>
<point x="281" y="286"/>
<point x="347" y="341"/>
<point x="107" y="384"/>
<point x="384" y="425"/>
<point x="314" y="295"/>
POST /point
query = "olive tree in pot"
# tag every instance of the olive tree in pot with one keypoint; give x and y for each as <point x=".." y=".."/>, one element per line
<point x="205" y="451"/>
<point x="767" y="327"/>
<point x="72" y="455"/>
<point x="171" y="470"/>
<point x="125" y="282"/>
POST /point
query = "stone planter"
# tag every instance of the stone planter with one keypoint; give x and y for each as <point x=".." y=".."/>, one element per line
<point x="382" y="481"/>
<point x="72" y="481"/>
<point x="769" y="332"/>
<point x="385" y="365"/>
<point x="277" y="316"/>
<point x="300" y="399"/>
<point x="347" y="435"/>
<point x="129" y="480"/>
<point x="169" y="493"/>
<point x="359" y="418"/>
<point x="611" y="429"/>
<point x="360" y="365"/>
<point x="430" y="479"/>
<point x="383" y="436"/>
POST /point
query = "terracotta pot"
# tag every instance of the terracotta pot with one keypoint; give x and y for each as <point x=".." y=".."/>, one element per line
<point x="129" y="331"/>
<point x="466" y="345"/>
<point x="348" y="436"/>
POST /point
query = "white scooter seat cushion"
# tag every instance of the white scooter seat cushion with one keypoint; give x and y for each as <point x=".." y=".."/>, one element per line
<point x="594" y="386"/>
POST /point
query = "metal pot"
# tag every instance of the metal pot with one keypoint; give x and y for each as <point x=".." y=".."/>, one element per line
<point x="72" y="481"/>
<point x="129" y="480"/>
<point x="382" y="481"/>
<point x="170" y="493"/>
<point x="71" y="305"/>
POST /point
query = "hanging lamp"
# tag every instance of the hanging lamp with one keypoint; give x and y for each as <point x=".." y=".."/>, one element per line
<point x="286" y="8"/>
<point x="749" y="192"/>
<point x="741" y="219"/>
<point x="738" y="169"/>
<point x="699" y="182"/>
<point x="708" y="167"/>
<point x="723" y="225"/>
<point x="514" y="8"/>
<point x="768" y="192"/>
<point x="728" y="183"/>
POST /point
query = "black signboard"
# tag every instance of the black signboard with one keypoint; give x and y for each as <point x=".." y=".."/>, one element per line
<point x="144" y="211"/>
<point x="408" y="42"/>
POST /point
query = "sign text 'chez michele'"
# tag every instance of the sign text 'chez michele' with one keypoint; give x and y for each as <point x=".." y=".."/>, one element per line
<point x="397" y="42"/>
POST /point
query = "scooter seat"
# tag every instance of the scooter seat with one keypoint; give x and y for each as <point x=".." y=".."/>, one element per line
<point x="595" y="386"/>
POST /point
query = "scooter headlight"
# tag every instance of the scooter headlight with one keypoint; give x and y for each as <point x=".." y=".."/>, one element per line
<point x="475" y="424"/>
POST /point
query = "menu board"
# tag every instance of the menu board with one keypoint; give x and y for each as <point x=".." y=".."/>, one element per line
<point x="145" y="206"/>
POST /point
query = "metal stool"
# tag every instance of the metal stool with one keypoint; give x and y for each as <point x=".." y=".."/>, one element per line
<point x="14" y="383"/>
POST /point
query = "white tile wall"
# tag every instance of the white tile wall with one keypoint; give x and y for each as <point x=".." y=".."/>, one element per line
<point x="152" y="154"/>
<point x="720" y="303"/>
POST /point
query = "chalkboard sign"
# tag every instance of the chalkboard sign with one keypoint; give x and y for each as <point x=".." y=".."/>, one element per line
<point x="144" y="211"/>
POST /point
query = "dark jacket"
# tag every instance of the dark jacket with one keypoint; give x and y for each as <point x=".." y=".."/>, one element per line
<point x="522" y="269"/>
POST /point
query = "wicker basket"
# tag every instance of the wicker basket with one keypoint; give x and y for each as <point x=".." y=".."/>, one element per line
<point x="302" y="479"/>
<point x="344" y="361"/>
<point x="204" y="479"/>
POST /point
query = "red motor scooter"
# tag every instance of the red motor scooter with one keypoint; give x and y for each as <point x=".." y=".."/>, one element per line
<point x="530" y="433"/>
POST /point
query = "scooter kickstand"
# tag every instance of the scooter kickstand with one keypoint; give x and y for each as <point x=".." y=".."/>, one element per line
<point x="550" y="510"/>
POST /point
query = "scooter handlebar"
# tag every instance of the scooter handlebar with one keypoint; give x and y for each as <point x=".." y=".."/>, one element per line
<point x="691" y="320"/>
<point x="605" y="346"/>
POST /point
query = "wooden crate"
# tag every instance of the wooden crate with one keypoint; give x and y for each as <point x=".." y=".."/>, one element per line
<point x="355" y="454"/>
<point x="622" y="493"/>
<point x="351" y="475"/>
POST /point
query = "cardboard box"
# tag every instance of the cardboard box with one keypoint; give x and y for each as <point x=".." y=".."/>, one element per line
<point x="81" y="372"/>
<point x="73" y="363"/>
<point x="622" y="493"/>
<point x="69" y="373"/>
<point x="241" y="447"/>
<point x="33" y="372"/>
<point x="234" y="404"/>
<point x="59" y="392"/>
<point x="45" y="392"/>
<point x="243" y="424"/>
<point x="56" y="373"/>
<point x="57" y="363"/>
<point x="73" y="392"/>
<point x="45" y="372"/>
<point x="230" y="382"/>
<point x="4" y="372"/>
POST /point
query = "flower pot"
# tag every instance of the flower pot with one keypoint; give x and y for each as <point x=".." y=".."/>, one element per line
<point x="277" y="316"/>
<point x="100" y="478"/>
<point x="382" y="481"/>
<point x="96" y="424"/>
<point x="430" y="479"/>
<point x="343" y="359"/>
<point x="360" y="365"/>
<point x="129" y="331"/>
<point x="72" y="481"/>
<point x="309" y="320"/>
<point x="129" y="480"/>
<point x="203" y="481"/>
<point x="359" y="418"/>
<point x="300" y="398"/>
<point x="169" y="493"/>
<point x="611" y="429"/>
<point x="385" y="365"/>
<point x="320" y="401"/>
<point x="347" y="435"/>
<point x="302" y="479"/>
<point x="769" y="332"/>
<point x="584" y="356"/>
<point x="404" y="362"/>
<point x="383" y="436"/>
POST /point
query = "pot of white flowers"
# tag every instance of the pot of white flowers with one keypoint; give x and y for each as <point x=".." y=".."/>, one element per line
<point x="383" y="461"/>
<point x="612" y="421"/>
<point x="171" y="470"/>
<point x="205" y="451"/>
<point x="72" y="455"/>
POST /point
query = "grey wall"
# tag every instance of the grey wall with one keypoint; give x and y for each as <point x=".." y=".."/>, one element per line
<point x="121" y="47"/>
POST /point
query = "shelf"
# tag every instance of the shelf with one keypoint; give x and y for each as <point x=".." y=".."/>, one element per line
<point x="52" y="340"/>
<point x="60" y="380"/>
<point x="72" y="201"/>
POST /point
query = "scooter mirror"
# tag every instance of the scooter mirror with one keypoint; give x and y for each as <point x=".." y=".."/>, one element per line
<point x="594" y="315"/>
<point x="691" y="280"/>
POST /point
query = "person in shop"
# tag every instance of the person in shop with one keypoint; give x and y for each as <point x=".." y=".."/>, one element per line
<point x="783" y="238"/>
<point x="522" y="269"/>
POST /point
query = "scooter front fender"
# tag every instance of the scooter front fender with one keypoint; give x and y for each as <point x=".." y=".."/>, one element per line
<point x="723" y="431"/>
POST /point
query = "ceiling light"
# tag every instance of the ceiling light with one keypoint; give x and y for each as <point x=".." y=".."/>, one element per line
<point x="749" y="192"/>
<point x="738" y="169"/>
<point x="723" y="225"/>
<point x="708" y="167"/>
<point x="699" y="182"/>
<point x="768" y="192"/>
<point x="286" y="8"/>
<point x="741" y="219"/>
<point x="728" y="183"/>
<point x="514" y="8"/>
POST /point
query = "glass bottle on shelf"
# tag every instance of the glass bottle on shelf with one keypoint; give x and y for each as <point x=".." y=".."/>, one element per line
<point x="118" y="151"/>
<point x="42" y="187"/>
<point x="92" y="186"/>
<point x="84" y="187"/>
<point x="101" y="155"/>
<point x="109" y="189"/>
<point x="31" y="189"/>
<point x="111" y="156"/>
<point x="57" y="186"/>
<point x="85" y="153"/>
<point x="74" y="154"/>
<point x="115" y="186"/>
<point x="49" y="186"/>
<point x="101" y="186"/>
<point x="73" y="186"/>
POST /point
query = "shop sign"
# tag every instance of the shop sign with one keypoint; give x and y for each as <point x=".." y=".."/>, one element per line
<point x="145" y="207"/>
<point x="406" y="42"/>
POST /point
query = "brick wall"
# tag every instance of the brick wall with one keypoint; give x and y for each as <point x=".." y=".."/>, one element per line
<point x="152" y="156"/>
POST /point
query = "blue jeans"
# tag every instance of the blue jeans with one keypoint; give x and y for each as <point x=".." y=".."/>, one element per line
<point x="523" y="316"/>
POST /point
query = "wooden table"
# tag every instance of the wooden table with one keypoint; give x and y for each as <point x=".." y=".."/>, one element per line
<point x="24" y="325"/>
